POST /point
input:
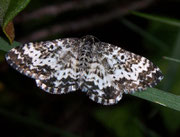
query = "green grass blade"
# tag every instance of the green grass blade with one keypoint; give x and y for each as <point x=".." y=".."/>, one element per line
<point x="160" y="97"/>
<point x="169" y="21"/>
<point x="172" y="59"/>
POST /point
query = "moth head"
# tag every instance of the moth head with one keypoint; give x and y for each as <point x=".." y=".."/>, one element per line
<point x="89" y="39"/>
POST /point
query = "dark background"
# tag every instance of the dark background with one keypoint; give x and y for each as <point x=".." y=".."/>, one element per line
<point x="27" y="111"/>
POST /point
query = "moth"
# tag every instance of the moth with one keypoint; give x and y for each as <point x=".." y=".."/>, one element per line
<point x="102" y="70"/>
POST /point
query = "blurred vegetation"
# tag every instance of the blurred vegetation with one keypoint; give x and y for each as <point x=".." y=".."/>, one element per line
<point x="146" y="27"/>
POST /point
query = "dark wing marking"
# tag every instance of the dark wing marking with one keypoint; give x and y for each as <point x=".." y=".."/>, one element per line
<point x="53" y="64"/>
<point x="129" y="71"/>
<point x="115" y="71"/>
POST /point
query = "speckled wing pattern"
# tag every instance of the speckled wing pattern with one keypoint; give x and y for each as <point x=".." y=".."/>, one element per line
<point x="102" y="70"/>
<point x="53" y="64"/>
<point x="115" y="71"/>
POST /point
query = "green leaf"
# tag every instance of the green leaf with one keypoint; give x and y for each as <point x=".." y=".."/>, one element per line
<point x="160" y="97"/>
<point x="166" y="20"/>
<point x="5" y="46"/>
<point x="10" y="8"/>
<point x="3" y="9"/>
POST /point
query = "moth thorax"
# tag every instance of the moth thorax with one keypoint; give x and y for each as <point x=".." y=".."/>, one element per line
<point x="85" y="56"/>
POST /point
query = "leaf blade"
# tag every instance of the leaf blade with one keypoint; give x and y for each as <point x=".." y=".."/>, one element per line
<point x="160" y="97"/>
<point x="5" y="46"/>
<point x="8" y="10"/>
<point x="13" y="9"/>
